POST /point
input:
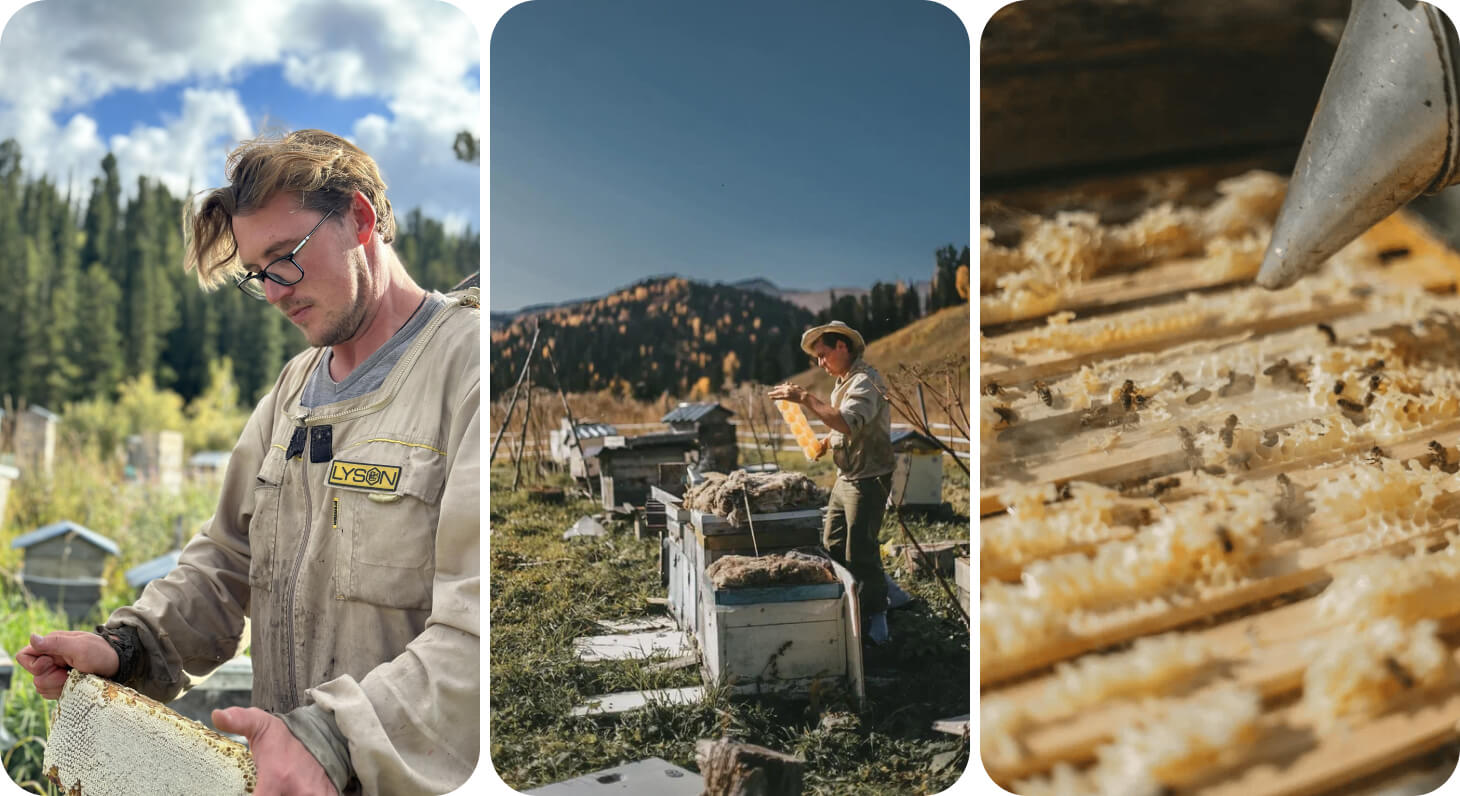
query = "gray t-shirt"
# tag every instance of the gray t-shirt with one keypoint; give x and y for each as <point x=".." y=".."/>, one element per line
<point x="370" y="374"/>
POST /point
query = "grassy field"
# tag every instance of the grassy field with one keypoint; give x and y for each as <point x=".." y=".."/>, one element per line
<point x="546" y="591"/>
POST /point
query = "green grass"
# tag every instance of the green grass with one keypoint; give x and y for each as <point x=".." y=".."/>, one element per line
<point x="546" y="591"/>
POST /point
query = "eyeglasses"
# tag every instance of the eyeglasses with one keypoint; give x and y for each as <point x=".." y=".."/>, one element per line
<point x="253" y="284"/>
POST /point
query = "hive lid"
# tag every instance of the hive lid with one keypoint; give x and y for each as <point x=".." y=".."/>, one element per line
<point x="63" y="527"/>
<point x="692" y="413"/>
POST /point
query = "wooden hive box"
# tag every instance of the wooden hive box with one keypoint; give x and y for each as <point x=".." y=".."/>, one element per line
<point x="782" y="639"/>
<point x="774" y="532"/>
<point x="917" y="474"/>
<point x="629" y="466"/>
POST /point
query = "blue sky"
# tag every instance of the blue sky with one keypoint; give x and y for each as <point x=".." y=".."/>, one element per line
<point x="170" y="87"/>
<point x="263" y="90"/>
<point x="816" y="143"/>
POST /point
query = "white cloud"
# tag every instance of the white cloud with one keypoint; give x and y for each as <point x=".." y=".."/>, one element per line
<point x="59" y="55"/>
<point x="185" y="153"/>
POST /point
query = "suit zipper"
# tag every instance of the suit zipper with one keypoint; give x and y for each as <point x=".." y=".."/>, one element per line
<point x="294" y="580"/>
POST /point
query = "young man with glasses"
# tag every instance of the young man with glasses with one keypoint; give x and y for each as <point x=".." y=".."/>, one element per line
<point x="348" y="524"/>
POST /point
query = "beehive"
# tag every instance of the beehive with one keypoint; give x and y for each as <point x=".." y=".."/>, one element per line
<point x="1175" y="463"/>
<point x="108" y="740"/>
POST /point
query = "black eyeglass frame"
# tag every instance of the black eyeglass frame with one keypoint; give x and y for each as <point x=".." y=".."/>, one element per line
<point x="245" y="282"/>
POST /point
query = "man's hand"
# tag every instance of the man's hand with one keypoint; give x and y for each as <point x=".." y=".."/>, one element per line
<point x="788" y="392"/>
<point x="50" y="659"/>
<point x="823" y="410"/>
<point x="285" y="766"/>
<point x="822" y="446"/>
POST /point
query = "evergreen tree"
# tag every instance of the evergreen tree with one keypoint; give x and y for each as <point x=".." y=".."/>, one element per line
<point x="65" y="325"/>
<point x="945" y="279"/>
<point x="31" y="319"/>
<point x="97" y="351"/>
<point x="150" y="303"/>
<point x="908" y="306"/>
<point x="12" y="275"/>
<point x="102" y="225"/>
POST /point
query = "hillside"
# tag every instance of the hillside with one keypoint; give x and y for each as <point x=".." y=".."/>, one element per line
<point x="928" y="340"/>
<point x="665" y="334"/>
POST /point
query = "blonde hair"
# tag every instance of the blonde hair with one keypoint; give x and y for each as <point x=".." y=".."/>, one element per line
<point x="323" y="168"/>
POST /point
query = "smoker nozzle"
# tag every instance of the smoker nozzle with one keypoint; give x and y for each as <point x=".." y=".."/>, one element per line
<point x="1386" y="129"/>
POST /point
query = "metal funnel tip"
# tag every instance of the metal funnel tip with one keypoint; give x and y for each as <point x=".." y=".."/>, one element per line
<point x="1379" y="137"/>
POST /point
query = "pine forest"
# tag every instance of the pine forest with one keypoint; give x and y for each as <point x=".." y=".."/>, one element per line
<point x="95" y="296"/>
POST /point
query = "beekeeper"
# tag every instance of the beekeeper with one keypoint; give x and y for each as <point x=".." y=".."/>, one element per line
<point x="347" y="527"/>
<point x="860" y="442"/>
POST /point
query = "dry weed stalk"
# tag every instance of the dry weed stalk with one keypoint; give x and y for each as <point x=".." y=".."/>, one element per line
<point x="910" y="385"/>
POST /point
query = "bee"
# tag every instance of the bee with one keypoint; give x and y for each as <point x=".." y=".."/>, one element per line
<point x="1188" y="447"/>
<point x="1225" y="538"/>
<point x="1292" y="510"/>
<point x="992" y="388"/>
<point x="1176" y="379"/>
<point x="1063" y="491"/>
<point x="1227" y="431"/>
<point x="1328" y="332"/>
<point x="1374" y="455"/>
<point x="1338" y="387"/>
<point x="1009" y="416"/>
<point x="1391" y="254"/>
<point x="1127" y="394"/>
<point x="1198" y="396"/>
<point x="1406" y="680"/>
<point x="1044" y="393"/>
<point x="1374" y="381"/>
<point x="1237" y="384"/>
<point x="1438" y="456"/>
<point x="1269" y="439"/>
<point x="1274" y="369"/>
<point x="1350" y="406"/>
<point x="1164" y="485"/>
<point x="1369" y="399"/>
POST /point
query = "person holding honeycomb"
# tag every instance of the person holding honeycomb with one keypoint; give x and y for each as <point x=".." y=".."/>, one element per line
<point x="860" y="442"/>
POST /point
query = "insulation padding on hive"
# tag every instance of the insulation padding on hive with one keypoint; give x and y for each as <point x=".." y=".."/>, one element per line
<point x="788" y="569"/>
<point x="728" y="496"/>
<point x="108" y="740"/>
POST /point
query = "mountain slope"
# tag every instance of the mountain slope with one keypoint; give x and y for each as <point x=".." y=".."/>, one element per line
<point x="665" y="334"/>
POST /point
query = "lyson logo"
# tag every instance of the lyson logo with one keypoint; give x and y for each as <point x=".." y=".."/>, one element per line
<point x="379" y="477"/>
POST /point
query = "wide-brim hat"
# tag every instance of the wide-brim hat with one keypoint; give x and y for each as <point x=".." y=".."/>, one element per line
<point x="814" y="333"/>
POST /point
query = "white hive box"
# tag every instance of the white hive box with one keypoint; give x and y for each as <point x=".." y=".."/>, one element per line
<point x="782" y="639"/>
<point x="706" y="538"/>
<point x="108" y="740"/>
